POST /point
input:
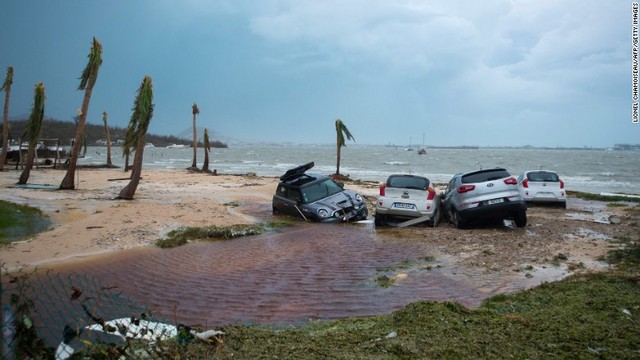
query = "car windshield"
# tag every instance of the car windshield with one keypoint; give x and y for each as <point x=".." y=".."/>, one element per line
<point x="543" y="176"/>
<point x="486" y="175"/>
<point x="408" y="182"/>
<point x="320" y="190"/>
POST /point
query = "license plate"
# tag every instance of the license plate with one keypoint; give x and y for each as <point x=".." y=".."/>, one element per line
<point x="494" y="201"/>
<point x="404" y="206"/>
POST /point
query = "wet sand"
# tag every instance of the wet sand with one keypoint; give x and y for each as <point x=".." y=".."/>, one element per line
<point x="88" y="221"/>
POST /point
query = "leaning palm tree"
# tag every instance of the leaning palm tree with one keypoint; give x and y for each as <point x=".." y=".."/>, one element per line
<point x="207" y="148"/>
<point x="32" y="131"/>
<point x="87" y="81"/>
<point x="195" y="111"/>
<point x="106" y="130"/>
<point x="341" y="131"/>
<point x="138" y="125"/>
<point x="6" y="87"/>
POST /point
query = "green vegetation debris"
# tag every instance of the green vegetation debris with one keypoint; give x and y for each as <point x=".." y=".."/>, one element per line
<point x="181" y="235"/>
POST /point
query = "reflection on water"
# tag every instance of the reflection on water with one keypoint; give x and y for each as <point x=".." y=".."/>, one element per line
<point x="310" y="271"/>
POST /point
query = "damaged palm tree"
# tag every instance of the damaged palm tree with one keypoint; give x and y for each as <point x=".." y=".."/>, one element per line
<point x="207" y="148"/>
<point x="87" y="81"/>
<point x="195" y="110"/>
<point x="32" y="131"/>
<point x="138" y="125"/>
<point x="341" y="131"/>
<point x="6" y="87"/>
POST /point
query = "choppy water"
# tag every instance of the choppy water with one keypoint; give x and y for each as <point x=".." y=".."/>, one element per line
<point x="582" y="170"/>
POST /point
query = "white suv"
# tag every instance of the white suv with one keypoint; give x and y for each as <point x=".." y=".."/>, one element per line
<point x="483" y="195"/>
<point x="542" y="186"/>
<point x="407" y="197"/>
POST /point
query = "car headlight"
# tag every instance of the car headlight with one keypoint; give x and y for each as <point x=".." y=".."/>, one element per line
<point x="323" y="213"/>
<point x="358" y="197"/>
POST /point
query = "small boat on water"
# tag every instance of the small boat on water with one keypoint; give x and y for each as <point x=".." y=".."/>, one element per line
<point x="176" y="146"/>
<point x="422" y="151"/>
<point x="149" y="145"/>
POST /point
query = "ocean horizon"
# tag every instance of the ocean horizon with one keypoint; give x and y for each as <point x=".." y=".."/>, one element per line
<point x="588" y="170"/>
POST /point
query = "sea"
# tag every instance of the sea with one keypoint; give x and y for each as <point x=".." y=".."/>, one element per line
<point x="587" y="170"/>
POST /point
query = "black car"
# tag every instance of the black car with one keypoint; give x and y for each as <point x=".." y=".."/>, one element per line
<point x="317" y="197"/>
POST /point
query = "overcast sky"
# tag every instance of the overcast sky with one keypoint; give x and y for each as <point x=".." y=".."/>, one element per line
<point x="495" y="73"/>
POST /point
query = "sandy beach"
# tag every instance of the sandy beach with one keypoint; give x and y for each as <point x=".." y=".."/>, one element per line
<point x="88" y="221"/>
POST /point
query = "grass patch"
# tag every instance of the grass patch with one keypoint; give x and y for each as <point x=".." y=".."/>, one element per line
<point x="598" y="197"/>
<point x="181" y="235"/>
<point x="627" y="256"/>
<point x="617" y="205"/>
<point x="384" y="281"/>
<point x="20" y="221"/>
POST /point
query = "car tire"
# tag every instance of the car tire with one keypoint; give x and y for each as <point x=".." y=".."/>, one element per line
<point x="563" y="204"/>
<point x="275" y="211"/>
<point x="380" y="220"/>
<point x="521" y="219"/>
<point x="458" y="220"/>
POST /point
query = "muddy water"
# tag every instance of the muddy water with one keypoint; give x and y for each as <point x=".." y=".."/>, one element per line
<point x="309" y="271"/>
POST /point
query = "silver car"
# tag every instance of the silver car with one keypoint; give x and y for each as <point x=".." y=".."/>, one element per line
<point x="407" y="197"/>
<point x="317" y="197"/>
<point x="484" y="195"/>
<point x="542" y="186"/>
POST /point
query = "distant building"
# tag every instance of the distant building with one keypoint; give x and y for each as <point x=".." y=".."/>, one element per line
<point x="626" y="147"/>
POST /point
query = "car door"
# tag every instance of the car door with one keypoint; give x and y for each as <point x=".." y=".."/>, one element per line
<point x="290" y="201"/>
<point x="448" y="197"/>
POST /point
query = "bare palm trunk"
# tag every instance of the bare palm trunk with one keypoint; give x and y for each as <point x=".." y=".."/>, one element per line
<point x="338" y="160"/>
<point x="129" y="191"/>
<point x="205" y="166"/>
<point x="28" y="165"/>
<point x="106" y="130"/>
<point x="68" y="182"/>
<point x="195" y="143"/>
<point x="5" y="125"/>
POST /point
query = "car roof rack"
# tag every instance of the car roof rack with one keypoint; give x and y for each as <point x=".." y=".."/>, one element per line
<point x="297" y="171"/>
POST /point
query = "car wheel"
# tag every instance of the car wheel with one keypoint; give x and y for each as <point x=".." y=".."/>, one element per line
<point x="458" y="220"/>
<point x="380" y="220"/>
<point x="521" y="219"/>
<point x="563" y="204"/>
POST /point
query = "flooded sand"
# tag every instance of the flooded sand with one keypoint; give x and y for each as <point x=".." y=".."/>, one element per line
<point x="309" y="271"/>
<point x="323" y="271"/>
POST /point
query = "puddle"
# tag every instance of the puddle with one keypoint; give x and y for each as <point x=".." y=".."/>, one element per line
<point x="599" y="217"/>
<point x="592" y="211"/>
<point x="590" y="234"/>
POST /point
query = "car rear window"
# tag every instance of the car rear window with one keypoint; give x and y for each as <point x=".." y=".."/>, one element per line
<point x="409" y="182"/>
<point x="543" y="176"/>
<point x="485" y="175"/>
